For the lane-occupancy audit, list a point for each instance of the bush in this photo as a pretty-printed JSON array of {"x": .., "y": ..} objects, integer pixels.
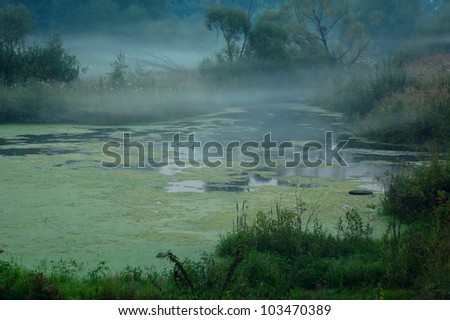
[
  {"x": 260, "y": 276},
  {"x": 49, "y": 62},
  {"x": 356, "y": 95},
  {"x": 33, "y": 102},
  {"x": 419, "y": 256},
  {"x": 415, "y": 194}
]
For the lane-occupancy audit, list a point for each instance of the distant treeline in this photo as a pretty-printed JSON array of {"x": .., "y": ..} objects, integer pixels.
[
  {"x": 383, "y": 24},
  {"x": 82, "y": 15},
  {"x": 399, "y": 17}
]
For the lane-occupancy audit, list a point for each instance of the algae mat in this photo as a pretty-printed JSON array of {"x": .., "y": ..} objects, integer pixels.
[{"x": 58, "y": 203}]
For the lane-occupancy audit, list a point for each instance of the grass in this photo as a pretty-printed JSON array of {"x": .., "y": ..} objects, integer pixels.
[{"x": 140, "y": 99}]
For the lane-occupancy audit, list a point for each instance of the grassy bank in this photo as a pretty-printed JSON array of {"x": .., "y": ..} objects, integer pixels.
[
  {"x": 286, "y": 254},
  {"x": 405, "y": 102},
  {"x": 139, "y": 100}
]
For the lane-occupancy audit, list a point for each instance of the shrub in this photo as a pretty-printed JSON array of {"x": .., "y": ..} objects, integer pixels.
[
  {"x": 415, "y": 194},
  {"x": 419, "y": 256},
  {"x": 358, "y": 95},
  {"x": 260, "y": 276},
  {"x": 49, "y": 62},
  {"x": 119, "y": 66},
  {"x": 353, "y": 228}
]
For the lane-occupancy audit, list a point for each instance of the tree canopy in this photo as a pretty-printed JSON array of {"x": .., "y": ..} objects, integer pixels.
[
  {"x": 15, "y": 23},
  {"x": 20, "y": 62},
  {"x": 233, "y": 23}
]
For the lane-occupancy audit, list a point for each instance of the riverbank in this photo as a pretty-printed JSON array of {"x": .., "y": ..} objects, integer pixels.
[{"x": 402, "y": 102}]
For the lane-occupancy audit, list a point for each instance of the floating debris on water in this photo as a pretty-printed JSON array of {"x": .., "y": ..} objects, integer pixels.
[{"x": 361, "y": 193}]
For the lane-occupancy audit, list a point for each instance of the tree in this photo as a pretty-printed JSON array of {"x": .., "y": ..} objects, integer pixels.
[
  {"x": 234, "y": 23},
  {"x": 391, "y": 22},
  {"x": 117, "y": 76},
  {"x": 269, "y": 41},
  {"x": 48, "y": 62},
  {"x": 20, "y": 62},
  {"x": 334, "y": 25},
  {"x": 15, "y": 23},
  {"x": 397, "y": 19}
]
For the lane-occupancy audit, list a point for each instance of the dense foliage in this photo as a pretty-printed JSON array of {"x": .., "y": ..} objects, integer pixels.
[
  {"x": 21, "y": 63},
  {"x": 400, "y": 101}
]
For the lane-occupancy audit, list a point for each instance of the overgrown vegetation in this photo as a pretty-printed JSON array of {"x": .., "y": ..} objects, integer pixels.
[
  {"x": 22, "y": 63},
  {"x": 399, "y": 102},
  {"x": 418, "y": 202},
  {"x": 287, "y": 254}
]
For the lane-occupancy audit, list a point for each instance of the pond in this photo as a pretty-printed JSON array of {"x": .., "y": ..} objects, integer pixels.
[{"x": 59, "y": 203}]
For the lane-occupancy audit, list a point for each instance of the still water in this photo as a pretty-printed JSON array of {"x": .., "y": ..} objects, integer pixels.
[{"x": 59, "y": 203}]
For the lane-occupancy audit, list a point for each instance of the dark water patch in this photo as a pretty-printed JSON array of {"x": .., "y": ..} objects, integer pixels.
[
  {"x": 93, "y": 134},
  {"x": 263, "y": 169},
  {"x": 239, "y": 185},
  {"x": 218, "y": 187},
  {"x": 286, "y": 183},
  {"x": 362, "y": 144},
  {"x": 238, "y": 174},
  {"x": 240, "y": 182},
  {"x": 69, "y": 162},
  {"x": 74, "y": 162},
  {"x": 261, "y": 179},
  {"x": 393, "y": 158},
  {"x": 360, "y": 193},
  {"x": 248, "y": 183},
  {"x": 308, "y": 185},
  {"x": 11, "y": 152},
  {"x": 62, "y": 138}
]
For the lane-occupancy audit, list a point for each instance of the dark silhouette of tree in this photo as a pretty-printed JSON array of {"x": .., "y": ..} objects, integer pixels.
[
  {"x": 15, "y": 23},
  {"x": 48, "y": 62},
  {"x": 119, "y": 66},
  {"x": 19, "y": 62},
  {"x": 332, "y": 23},
  {"x": 269, "y": 41},
  {"x": 233, "y": 23}
]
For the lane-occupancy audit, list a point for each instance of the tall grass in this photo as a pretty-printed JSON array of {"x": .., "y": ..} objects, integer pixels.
[
  {"x": 139, "y": 100},
  {"x": 398, "y": 102},
  {"x": 415, "y": 116},
  {"x": 356, "y": 93},
  {"x": 419, "y": 254}
]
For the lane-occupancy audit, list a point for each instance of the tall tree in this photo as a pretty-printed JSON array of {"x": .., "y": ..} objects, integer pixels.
[
  {"x": 269, "y": 41},
  {"x": 234, "y": 23},
  {"x": 15, "y": 23},
  {"x": 333, "y": 23}
]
